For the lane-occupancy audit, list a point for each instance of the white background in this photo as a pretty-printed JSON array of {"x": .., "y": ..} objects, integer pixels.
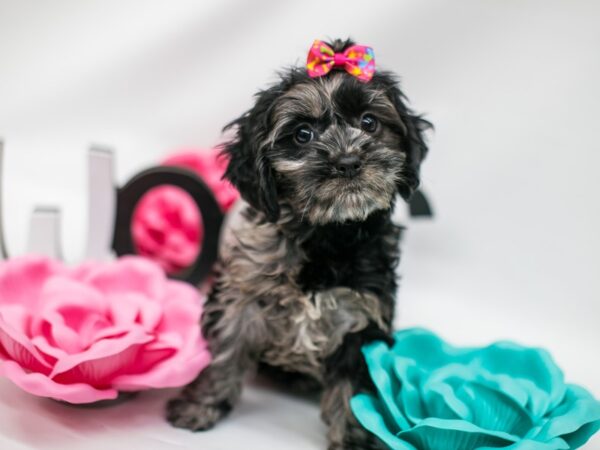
[{"x": 511, "y": 86}]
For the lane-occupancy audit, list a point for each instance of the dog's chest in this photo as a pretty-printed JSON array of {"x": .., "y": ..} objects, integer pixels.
[
  {"x": 306, "y": 329},
  {"x": 304, "y": 311},
  {"x": 312, "y": 312}
]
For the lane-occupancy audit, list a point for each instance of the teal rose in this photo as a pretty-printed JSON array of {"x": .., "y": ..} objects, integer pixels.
[{"x": 431, "y": 395}]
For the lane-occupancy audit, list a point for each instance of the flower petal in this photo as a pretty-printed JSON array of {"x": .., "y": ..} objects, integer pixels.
[
  {"x": 125, "y": 307},
  {"x": 16, "y": 344},
  {"x": 50, "y": 351},
  {"x": 439, "y": 392},
  {"x": 529, "y": 444},
  {"x": 423, "y": 346},
  {"x": 433, "y": 433},
  {"x": 517, "y": 389},
  {"x": 63, "y": 291},
  {"x": 367, "y": 410},
  {"x": 127, "y": 274},
  {"x": 178, "y": 370},
  {"x": 531, "y": 364},
  {"x": 182, "y": 307},
  {"x": 407, "y": 393},
  {"x": 380, "y": 363},
  {"x": 22, "y": 279},
  {"x": 41, "y": 385},
  {"x": 52, "y": 326},
  {"x": 101, "y": 371},
  {"x": 67, "y": 306},
  {"x": 493, "y": 410},
  {"x": 128, "y": 308},
  {"x": 575, "y": 420},
  {"x": 102, "y": 349}
]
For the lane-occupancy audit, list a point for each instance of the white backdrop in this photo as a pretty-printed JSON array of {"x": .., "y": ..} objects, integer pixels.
[{"x": 511, "y": 86}]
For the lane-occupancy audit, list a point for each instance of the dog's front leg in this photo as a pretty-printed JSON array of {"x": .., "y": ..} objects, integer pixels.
[
  {"x": 345, "y": 375},
  {"x": 235, "y": 334}
]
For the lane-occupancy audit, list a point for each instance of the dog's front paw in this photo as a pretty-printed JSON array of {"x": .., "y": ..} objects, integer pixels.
[
  {"x": 356, "y": 438},
  {"x": 369, "y": 445},
  {"x": 184, "y": 413}
]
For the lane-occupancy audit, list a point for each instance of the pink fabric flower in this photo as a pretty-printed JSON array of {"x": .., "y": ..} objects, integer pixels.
[
  {"x": 210, "y": 167},
  {"x": 166, "y": 226},
  {"x": 83, "y": 334}
]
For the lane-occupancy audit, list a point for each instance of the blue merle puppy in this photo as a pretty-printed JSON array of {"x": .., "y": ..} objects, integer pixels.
[{"x": 310, "y": 276}]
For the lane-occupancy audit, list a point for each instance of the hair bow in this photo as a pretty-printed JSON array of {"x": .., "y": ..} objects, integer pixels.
[{"x": 357, "y": 60}]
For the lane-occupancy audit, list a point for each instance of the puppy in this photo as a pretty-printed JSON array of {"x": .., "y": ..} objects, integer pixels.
[{"x": 310, "y": 276}]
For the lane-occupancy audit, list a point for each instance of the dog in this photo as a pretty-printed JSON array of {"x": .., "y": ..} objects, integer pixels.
[{"x": 310, "y": 276}]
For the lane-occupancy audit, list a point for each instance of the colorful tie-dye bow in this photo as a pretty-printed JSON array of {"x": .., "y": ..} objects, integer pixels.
[{"x": 357, "y": 60}]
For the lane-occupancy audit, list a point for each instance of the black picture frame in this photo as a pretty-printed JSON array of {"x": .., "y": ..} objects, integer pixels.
[{"x": 132, "y": 192}]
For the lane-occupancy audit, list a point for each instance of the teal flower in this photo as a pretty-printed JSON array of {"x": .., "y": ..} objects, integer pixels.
[{"x": 431, "y": 395}]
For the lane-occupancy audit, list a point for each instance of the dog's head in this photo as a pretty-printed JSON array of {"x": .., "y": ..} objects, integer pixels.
[{"x": 332, "y": 148}]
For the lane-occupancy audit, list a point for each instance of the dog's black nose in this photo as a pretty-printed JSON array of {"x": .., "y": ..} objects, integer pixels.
[{"x": 348, "y": 166}]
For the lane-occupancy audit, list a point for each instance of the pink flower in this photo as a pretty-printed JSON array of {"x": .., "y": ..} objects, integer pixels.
[
  {"x": 166, "y": 226},
  {"x": 210, "y": 167},
  {"x": 83, "y": 334}
]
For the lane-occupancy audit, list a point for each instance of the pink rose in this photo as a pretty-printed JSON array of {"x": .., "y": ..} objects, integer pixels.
[
  {"x": 166, "y": 225},
  {"x": 83, "y": 334},
  {"x": 167, "y": 228},
  {"x": 210, "y": 167}
]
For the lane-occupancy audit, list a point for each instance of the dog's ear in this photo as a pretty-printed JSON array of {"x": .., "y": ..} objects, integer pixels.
[
  {"x": 413, "y": 128},
  {"x": 416, "y": 150},
  {"x": 249, "y": 169}
]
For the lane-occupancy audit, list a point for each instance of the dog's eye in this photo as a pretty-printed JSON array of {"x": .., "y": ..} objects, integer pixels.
[
  {"x": 304, "y": 134},
  {"x": 368, "y": 122}
]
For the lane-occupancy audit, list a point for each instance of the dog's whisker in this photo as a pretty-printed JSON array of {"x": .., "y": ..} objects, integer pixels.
[{"x": 306, "y": 206}]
